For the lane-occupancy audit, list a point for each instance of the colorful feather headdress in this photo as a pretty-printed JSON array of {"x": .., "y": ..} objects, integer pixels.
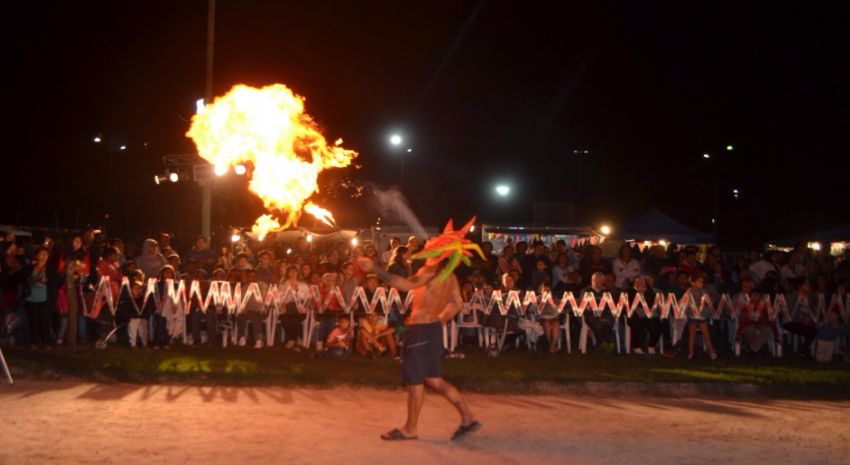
[{"x": 452, "y": 245}]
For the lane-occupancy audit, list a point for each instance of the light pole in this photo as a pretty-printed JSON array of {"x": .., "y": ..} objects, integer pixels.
[
  {"x": 396, "y": 141},
  {"x": 716, "y": 159},
  {"x": 206, "y": 187}
]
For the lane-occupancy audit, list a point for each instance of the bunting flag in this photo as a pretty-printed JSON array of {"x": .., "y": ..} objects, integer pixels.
[{"x": 173, "y": 302}]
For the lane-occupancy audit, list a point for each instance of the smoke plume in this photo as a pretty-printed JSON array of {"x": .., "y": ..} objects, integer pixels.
[{"x": 392, "y": 205}]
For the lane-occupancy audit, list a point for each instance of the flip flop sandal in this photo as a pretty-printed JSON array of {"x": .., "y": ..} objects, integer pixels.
[
  {"x": 396, "y": 435},
  {"x": 464, "y": 430}
]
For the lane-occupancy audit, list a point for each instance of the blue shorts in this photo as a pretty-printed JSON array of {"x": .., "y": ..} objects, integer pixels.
[{"x": 422, "y": 353}]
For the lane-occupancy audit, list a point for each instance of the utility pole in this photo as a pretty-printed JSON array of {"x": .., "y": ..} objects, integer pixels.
[{"x": 206, "y": 187}]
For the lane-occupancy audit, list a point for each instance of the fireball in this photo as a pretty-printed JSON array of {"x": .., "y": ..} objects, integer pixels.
[{"x": 268, "y": 131}]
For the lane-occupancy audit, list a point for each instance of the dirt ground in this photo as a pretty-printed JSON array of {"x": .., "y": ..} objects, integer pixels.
[{"x": 74, "y": 422}]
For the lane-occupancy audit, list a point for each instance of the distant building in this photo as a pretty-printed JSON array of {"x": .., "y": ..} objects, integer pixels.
[{"x": 554, "y": 212}]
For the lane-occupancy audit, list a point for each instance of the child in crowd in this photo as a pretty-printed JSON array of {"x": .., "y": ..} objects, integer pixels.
[
  {"x": 338, "y": 342},
  {"x": 375, "y": 337},
  {"x": 138, "y": 311},
  {"x": 328, "y": 318},
  {"x": 548, "y": 316},
  {"x": 828, "y": 332}
]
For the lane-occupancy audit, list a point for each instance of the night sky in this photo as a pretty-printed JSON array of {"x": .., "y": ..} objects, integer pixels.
[{"x": 483, "y": 92}]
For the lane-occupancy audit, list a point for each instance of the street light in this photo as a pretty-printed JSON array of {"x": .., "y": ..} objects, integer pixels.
[
  {"x": 503, "y": 190},
  {"x": 606, "y": 230},
  {"x": 396, "y": 140},
  {"x": 708, "y": 156}
]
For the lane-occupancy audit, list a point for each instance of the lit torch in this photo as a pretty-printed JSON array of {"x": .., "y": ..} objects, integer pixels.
[{"x": 268, "y": 131}]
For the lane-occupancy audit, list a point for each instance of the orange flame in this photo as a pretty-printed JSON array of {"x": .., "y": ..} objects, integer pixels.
[
  {"x": 320, "y": 213},
  {"x": 267, "y": 130}
]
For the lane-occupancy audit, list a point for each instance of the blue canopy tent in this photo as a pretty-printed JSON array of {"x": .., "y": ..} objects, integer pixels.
[{"x": 654, "y": 225}]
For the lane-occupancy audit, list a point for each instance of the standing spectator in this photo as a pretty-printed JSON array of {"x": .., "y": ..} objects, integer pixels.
[
  {"x": 759, "y": 266},
  {"x": 205, "y": 257},
  {"x": 225, "y": 258},
  {"x": 655, "y": 262},
  {"x": 560, "y": 273},
  {"x": 108, "y": 267},
  {"x": 164, "y": 243},
  {"x": 95, "y": 252},
  {"x": 529, "y": 264},
  {"x": 151, "y": 261},
  {"x": 593, "y": 263},
  {"x": 73, "y": 266},
  {"x": 507, "y": 262},
  {"x": 348, "y": 282},
  {"x": 398, "y": 262},
  {"x": 696, "y": 292},
  {"x": 625, "y": 268},
  {"x": 414, "y": 246},
  {"x": 139, "y": 313},
  {"x": 39, "y": 312},
  {"x": 387, "y": 255},
  {"x": 12, "y": 278},
  {"x": 331, "y": 263}
]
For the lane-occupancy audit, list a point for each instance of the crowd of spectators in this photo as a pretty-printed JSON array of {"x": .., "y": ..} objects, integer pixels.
[{"x": 45, "y": 286}]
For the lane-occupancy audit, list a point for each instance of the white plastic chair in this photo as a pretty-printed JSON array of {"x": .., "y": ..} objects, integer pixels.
[{"x": 458, "y": 324}]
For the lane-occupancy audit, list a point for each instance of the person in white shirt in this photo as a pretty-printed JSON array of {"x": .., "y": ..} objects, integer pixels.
[{"x": 626, "y": 269}]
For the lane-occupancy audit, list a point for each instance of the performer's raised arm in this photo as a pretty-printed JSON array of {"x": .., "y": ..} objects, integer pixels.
[{"x": 393, "y": 280}]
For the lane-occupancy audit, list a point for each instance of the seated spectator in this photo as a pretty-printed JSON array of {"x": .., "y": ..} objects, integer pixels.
[
  {"x": 264, "y": 266},
  {"x": 560, "y": 272},
  {"x": 338, "y": 340},
  {"x": 755, "y": 327},
  {"x": 292, "y": 288},
  {"x": 802, "y": 323},
  {"x": 239, "y": 272},
  {"x": 254, "y": 312},
  {"x": 549, "y": 318},
  {"x": 200, "y": 319},
  {"x": 828, "y": 332},
  {"x": 375, "y": 337},
  {"x": 602, "y": 324},
  {"x": 644, "y": 326},
  {"x": 327, "y": 320}
]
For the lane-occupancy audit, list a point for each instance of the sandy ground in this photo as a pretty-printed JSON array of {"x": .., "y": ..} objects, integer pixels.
[{"x": 74, "y": 422}]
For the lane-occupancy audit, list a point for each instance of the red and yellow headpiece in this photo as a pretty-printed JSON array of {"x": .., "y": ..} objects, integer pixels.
[{"x": 452, "y": 245}]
